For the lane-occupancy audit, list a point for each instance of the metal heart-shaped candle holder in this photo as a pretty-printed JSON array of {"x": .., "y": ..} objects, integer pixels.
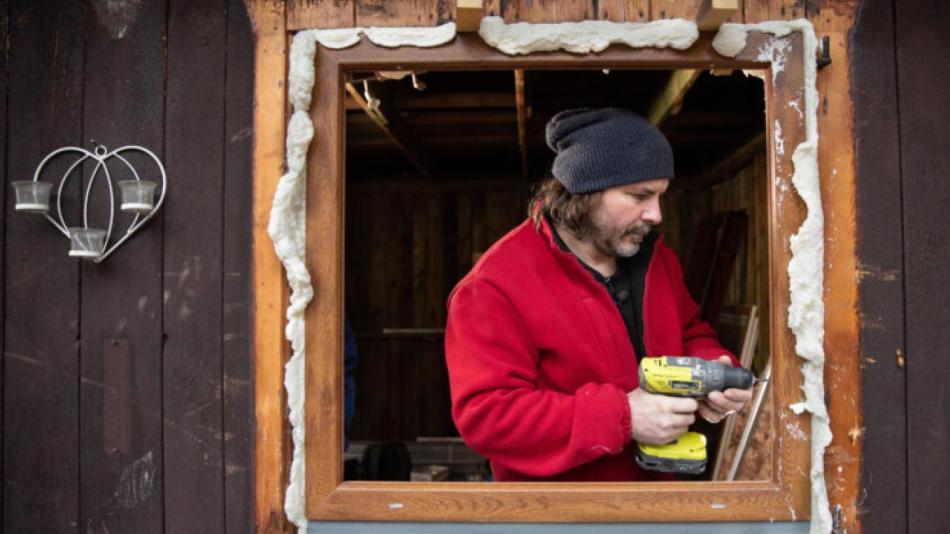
[{"x": 137, "y": 198}]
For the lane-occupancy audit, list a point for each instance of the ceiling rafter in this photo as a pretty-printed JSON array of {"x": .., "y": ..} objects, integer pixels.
[{"x": 392, "y": 126}]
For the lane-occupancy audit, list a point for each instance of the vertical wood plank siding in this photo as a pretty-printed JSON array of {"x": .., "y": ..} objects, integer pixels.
[
  {"x": 880, "y": 249},
  {"x": 127, "y": 395},
  {"x": 4, "y": 139},
  {"x": 41, "y": 424},
  {"x": 238, "y": 390},
  {"x": 194, "y": 147},
  {"x": 923, "y": 68},
  {"x": 121, "y": 299}
]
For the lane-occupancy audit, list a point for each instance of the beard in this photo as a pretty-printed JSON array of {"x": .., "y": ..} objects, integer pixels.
[{"x": 619, "y": 242}]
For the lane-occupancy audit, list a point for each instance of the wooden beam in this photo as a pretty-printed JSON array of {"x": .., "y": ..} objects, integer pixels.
[
  {"x": 522, "y": 121},
  {"x": 468, "y": 15},
  {"x": 370, "y": 107},
  {"x": 712, "y": 13},
  {"x": 670, "y": 99},
  {"x": 270, "y": 290},
  {"x": 393, "y": 127}
]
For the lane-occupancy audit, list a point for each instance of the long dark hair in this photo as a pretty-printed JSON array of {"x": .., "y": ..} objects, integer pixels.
[{"x": 563, "y": 207}]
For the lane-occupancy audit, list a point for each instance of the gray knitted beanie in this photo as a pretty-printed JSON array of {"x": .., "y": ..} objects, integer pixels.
[{"x": 601, "y": 148}]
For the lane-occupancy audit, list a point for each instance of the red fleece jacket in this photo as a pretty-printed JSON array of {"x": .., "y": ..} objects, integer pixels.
[{"x": 540, "y": 361}]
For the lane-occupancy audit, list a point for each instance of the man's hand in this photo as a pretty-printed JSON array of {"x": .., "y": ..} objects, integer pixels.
[
  {"x": 658, "y": 419},
  {"x": 718, "y": 404}
]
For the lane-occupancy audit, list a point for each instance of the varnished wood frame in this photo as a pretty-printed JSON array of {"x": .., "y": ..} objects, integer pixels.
[{"x": 785, "y": 497}]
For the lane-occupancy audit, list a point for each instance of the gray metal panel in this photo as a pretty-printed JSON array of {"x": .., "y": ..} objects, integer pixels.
[{"x": 334, "y": 527}]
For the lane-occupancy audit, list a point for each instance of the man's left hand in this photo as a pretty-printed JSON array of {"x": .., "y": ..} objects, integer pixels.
[{"x": 719, "y": 404}]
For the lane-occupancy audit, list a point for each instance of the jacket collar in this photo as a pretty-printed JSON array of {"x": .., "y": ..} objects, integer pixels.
[{"x": 570, "y": 263}]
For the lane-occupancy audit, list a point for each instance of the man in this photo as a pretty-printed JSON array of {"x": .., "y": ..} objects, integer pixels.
[{"x": 545, "y": 333}]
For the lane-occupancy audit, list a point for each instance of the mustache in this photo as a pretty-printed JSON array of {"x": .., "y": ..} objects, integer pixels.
[{"x": 639, "y": 229}]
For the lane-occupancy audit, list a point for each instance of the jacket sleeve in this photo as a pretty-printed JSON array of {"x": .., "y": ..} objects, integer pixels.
[
  {"x": 496, "y": 404},
  {"x": 699, "y": 338}
]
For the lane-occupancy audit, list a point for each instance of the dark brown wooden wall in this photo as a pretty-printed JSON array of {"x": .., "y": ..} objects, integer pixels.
[
  {"x": 127, "y": 399},
  {"x": 900, "y": 69}
]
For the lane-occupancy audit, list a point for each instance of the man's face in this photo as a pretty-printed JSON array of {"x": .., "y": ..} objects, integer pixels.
[{"x": 625, "y": 215}]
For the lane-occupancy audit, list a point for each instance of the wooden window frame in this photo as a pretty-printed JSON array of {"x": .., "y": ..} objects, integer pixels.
[{"x": 328, "y": 497}]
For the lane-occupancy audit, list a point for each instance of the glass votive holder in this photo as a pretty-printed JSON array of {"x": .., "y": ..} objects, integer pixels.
[
  {"x": 32, "y": 196},
  {"x": 137, "y": 195},
  {"x": 86, "y": 242}
]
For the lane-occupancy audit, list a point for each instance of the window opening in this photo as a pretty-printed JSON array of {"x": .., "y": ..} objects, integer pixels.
[{"x": 440, "y": 164}]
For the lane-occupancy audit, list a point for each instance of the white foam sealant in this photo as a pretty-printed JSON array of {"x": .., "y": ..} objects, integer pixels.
[
  {"x": 586, "y": 36},
  {"x": 287, "y": 224},
  {"x": 806, "y": 312}
]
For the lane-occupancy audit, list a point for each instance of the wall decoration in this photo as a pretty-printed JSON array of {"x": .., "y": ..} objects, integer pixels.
[{"x": 135, "y": 196}]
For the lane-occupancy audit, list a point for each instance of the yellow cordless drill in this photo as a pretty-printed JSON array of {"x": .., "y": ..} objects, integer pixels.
[{"x": 685, "y": 376}]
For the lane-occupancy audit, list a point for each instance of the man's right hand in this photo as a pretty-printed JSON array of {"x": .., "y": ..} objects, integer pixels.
[{"x": 658, "y": 419}]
